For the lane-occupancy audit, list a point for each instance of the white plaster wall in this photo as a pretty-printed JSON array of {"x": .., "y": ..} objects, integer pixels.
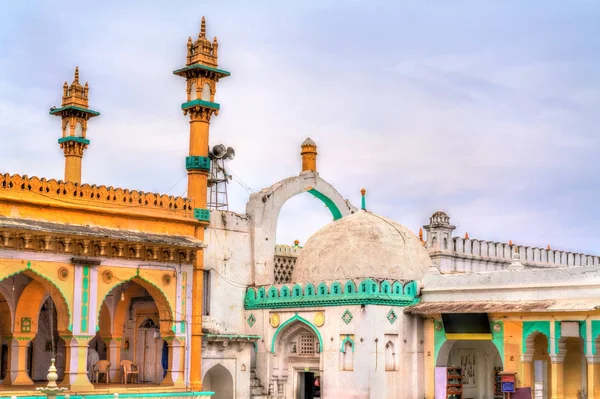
[
  {"x": 236, "y": 361},
  {"x": 228, "y": 257},
  {"x": 369, "y": 379},
  {"x": 529, "y": 284}
]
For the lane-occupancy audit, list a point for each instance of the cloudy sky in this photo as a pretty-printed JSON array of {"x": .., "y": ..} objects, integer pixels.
[{"x": 485, "y": 109}]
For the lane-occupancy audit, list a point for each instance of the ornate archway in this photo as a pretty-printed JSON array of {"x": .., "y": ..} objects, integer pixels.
[{"x": 264, "y": 207}]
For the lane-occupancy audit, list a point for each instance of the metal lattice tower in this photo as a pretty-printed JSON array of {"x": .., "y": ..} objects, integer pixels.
[{"x": 219, "y": 178}]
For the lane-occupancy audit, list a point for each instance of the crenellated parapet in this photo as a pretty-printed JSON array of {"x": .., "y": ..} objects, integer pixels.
[
  {"x": 529, "y": 256},
  {"x": 100, "y": 195},
  {"x": 465, "y": 254},
  {"x": 351, "y": 292}
]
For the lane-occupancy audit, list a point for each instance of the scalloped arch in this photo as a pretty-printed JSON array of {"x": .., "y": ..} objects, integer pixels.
[
  {"x": 48, "y": 284},
  {"x": 290, "y": 321}
]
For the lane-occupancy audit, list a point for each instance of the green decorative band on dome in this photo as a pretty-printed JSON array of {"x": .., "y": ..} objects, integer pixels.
[
  {"x": 197, "y": 163},
  {"x": 202, "y": 215},
  {"x": 58, "y": 111},
  {"x": 73, "y": 138},
  {"x": 368, "y": 292},
  {"x": 200, "y": 103}
]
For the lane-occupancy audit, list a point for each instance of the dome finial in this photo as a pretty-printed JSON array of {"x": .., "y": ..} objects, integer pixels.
[
  {"x": 76, "y": 75},
  {"x": 203, "y": 27},
  {"x": 296, "y": 243},
  {"x": 421, "y": 235},
  {"x": 363, "y": 205},
  {"x": 549, "y": 247},
  {"x": 466, "y": 236}
]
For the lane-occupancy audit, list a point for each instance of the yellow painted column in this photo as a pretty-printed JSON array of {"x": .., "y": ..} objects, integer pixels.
[
  {"x": 429, "y": 363},
  {"x": 17, "y": 361},
  {"x": 197, "y": 191},
  {"x": 76, "y": 372},
  {"x": 73, "y": 168},
  {"x": 175, "y": 373},
  {"x": 197, "y": 179},
  {"x": 557, "y": 379},
  {"x": 593, "y": 378}
]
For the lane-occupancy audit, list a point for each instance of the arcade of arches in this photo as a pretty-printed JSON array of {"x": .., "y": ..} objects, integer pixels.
[{"x": 134, "y": 323}]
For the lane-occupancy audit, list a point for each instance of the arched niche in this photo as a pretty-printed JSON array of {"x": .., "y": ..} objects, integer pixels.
[
  {"x": 264, "y": 207},
  {"x": 218, "y": 380}
]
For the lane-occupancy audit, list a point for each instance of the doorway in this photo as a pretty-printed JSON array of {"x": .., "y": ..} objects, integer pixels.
[
  {"x": 146, "y": 351},
  {"x": 309, "y": 385}
]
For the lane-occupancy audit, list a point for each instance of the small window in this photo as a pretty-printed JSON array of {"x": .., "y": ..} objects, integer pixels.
[
  {"x": 78, "y": 130},
  {"x": 206, "y": 92},
  {"x": 206, "y": 294},
  {"x": 193, "y": 93}
]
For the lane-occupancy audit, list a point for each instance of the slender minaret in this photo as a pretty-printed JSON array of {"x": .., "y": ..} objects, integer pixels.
[
  {"x": 74, "y": 113},
  {"x": 201, "y": 75}
]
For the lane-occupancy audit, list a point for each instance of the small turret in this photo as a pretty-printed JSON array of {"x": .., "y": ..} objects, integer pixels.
[
  {"x": 439, "y": 232},
  {"x": 309, "y": 155}
]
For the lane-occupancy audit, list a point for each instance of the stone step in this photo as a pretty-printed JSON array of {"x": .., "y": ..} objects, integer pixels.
[{"x": 257, "y": 391}]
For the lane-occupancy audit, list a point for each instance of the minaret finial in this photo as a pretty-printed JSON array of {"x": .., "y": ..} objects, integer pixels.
[
  {"x": 203, "y": 28},
  {"x": 76, "y": 75},
  {"x": 363, "y": 203}
]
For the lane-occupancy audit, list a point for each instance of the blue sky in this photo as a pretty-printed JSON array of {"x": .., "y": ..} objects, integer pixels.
[{"x": 485, "y": 109}]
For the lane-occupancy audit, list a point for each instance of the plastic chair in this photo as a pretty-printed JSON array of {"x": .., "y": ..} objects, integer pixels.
[
  {"x": 102, "y": 367},
  {"x": 129, "y": 369}
]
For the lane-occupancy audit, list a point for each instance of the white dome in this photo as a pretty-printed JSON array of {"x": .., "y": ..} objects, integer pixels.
[{"x": 362, "y": 245}]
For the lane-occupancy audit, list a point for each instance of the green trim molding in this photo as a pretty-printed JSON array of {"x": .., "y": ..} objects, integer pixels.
[
  {"x": 182, "y": 71},
  {"x": 439, "y": 337},
  {"x": 347, "y": 339},
  {"x": 530, "y": 327},
  {"x": 200, "y": 103},
  {"x": 202, "y": 215},
  {"x": 335, "y": 211},
  {"x": 290, "y": 321},
  {"x": 498, "y": 338},
  {"x": 91, "y": 112},
  {"x": 85, "y": 298},
  {"x": 73, "y": 138},
  {"x": 197, "y": 163},
  {"x": 583, "y": 335},
  {"x": 595, "y": 334},
  {"x": 556, "y": 337},
  {"x": 369, "y": 292}
]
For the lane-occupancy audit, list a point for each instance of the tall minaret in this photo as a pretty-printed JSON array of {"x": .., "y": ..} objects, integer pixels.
[
  {"x": 74, "y": 113},
  {"x": 201, "y": 75}
]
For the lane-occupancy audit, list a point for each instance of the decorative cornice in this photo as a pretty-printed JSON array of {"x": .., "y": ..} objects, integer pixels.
[
  {"x": 90, "y": 113},
  {"x": 210, "y": 71},
  {"x": 369, "y": 292},
  {"x": 102, "y": 195}
]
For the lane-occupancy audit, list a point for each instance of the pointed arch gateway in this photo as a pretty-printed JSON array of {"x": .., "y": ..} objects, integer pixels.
[
  {"x": 292, "y": 320},
  {"x": 264, "y": 207}
]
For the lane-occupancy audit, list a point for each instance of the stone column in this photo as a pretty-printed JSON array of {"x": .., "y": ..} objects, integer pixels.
[
  {"x": 113, "y": 355},
  {"x": 557, "y": 377},
  {"x": 175, "y": 372},
  {"x": 76, "y": 372},
  {"x": 17, "y": 361},
  {"x": 593, "y": 377},
  {"x": 527, "y": 369}
]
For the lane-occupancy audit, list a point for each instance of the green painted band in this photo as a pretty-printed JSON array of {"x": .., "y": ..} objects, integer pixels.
[
  {"x": 335, "y": 211},
  {"x": 91, "y": 112},
  {"x": 182, "y": 71},
  {"x": 320, "y": 301},
  {"x": 73, "y": 138},
  {"x": 200, "y": 103},
  {"x": 197, "y": 163},
  {"x": 232, "y": 336},
  {"x": 202, "y": 215}
]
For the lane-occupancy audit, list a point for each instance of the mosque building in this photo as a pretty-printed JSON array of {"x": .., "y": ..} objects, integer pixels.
[{"x": 149, "y": 295}]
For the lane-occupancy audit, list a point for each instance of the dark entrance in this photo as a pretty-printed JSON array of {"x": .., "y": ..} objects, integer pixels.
[{"x": 309, "y": 386}]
